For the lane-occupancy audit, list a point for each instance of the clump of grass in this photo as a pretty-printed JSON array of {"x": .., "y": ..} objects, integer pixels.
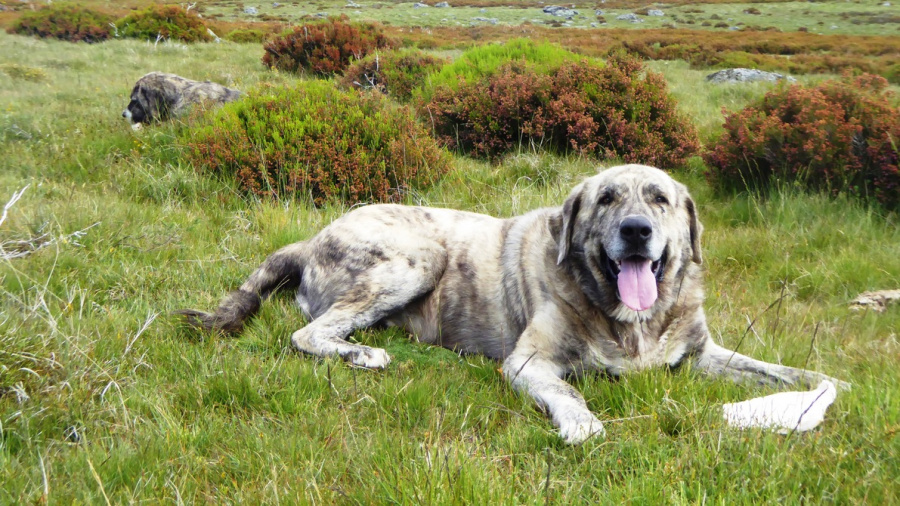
[{"x": 23, "y": 72}]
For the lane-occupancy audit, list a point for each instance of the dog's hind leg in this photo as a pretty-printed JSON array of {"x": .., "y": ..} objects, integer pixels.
[
  {"x": 326, "y": 336},
  {"x": 720, "y": 361},
  {"x": 281, "y": 270},
  {"x": 384, "y": 290}
]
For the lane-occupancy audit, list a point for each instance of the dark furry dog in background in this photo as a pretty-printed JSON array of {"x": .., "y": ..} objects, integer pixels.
[{"x": 158, "y": 96}]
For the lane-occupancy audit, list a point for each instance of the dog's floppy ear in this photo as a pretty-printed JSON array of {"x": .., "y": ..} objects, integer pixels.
[
  {"x": 569, "y": 217},
  {"x": 695, "y": 227},
  {"x": 152, "y": 103}
]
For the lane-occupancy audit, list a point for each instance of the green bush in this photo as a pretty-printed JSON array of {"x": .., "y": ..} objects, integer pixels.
[
  {"x": 324, "y": 48},
  {"x": 64, "y": 22},
  {"x": 396, "y": 73},
  {"x": 169, "y": 21},
  {"x": 484, "y": 61},
  {"x": 314, "y": 140},
  {"x": 617, "y": 110},
  {"x": 840, "y": 136},
  {"x": 247, "y": 35}
]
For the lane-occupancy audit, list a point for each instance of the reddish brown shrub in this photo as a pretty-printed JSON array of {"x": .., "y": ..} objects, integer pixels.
[
  {"x": 395, "y": 73},
  {"x": 840, "y": 136},
  {"x": 65, "y": 22},
  {"x": 326, "y": 47},
  {"x": 609, "y": 111},
  {"x": 313, "y": 140}
]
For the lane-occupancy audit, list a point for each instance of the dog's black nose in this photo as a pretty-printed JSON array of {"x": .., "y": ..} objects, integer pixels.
[
  {"x": 124, "y": 114},
  {"x": 636, "y": 229}
]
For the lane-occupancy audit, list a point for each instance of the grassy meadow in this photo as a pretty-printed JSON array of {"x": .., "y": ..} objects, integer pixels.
[
  {"x": 828, "y": 17},
  {"x": 105, "y": 398}
]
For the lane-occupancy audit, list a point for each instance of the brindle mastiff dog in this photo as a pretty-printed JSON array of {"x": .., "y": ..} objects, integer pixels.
[
  {"x": 610, "y": 281},
  {"x": 157, "y": 96}
]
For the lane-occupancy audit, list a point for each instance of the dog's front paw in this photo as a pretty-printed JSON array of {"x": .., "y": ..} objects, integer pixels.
[
  {"x": 371, "y": 358},
  {"x": 578, "y": 429}
]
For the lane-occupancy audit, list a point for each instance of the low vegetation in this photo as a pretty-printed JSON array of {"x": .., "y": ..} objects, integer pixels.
[
  {"x": 245, "y": 35},
  {"x": 64, "y": 21},
  {"x": 794, "y": 52},
  {"x": 613, "y": 110},
  {"x": 324, "y": 48},
  {"x": 312, "y": 140},
  {"x": 165, "y": 21},
  {"x": 396, "y": 73},
  {"x": 839, "y": 136}
]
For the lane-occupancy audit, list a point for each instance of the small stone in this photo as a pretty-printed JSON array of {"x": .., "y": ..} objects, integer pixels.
[
  {"x": 562, "y": 12},
  {"x": 630, "y": 17},
  {"x": 655, "y": 12},
  {"x": 742, "y": 75}
]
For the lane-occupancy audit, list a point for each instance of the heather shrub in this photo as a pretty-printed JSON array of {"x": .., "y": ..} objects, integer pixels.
[
  {"x": 839, "y": 136},
  {"x": 169, "y": 21},
  {"x": 616, "y": 110},
  {"x": 325, "y": 48},
  {"x": 314, "y": 140},
  {"x": 396, "y": 73},
  {"x": 64, "y": 22}
]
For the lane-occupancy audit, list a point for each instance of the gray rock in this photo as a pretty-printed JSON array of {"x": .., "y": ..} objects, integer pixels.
[
  {"x": 655, "y": 12},
  {"x": 740, "y": 75},
  {"x": 562, "y": 12},
  {"x": 441, "y": 5},
  {"x": 420, "y": 5},
  {"x": 734, "y": 28},
  {"x": 630, "y": 17},
  {"x": 598, "y": 12},
  {"x": 251, "y": 11},
  {"x": 352, "y": 5},
  {"x": 492, "y": 21}
]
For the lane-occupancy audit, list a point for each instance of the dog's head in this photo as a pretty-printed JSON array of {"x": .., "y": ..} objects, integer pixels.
[
  {"x": 147, "y": 100},
  {"x": 631, "y": 232}
]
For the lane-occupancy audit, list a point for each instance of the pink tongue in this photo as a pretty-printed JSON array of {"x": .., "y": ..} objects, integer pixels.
[{"x": 637, "y": 284}]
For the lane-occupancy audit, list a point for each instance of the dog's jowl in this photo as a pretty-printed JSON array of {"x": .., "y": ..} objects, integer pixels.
[{"x": 611, "y": 281}]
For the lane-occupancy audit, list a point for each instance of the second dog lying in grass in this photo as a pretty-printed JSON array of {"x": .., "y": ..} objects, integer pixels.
[{"x": 158, "y": 96}]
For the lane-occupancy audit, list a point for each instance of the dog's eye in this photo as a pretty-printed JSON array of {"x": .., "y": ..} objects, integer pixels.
[
  {"x": 661, "y": 200},
  {"x": 605, "y": 200}
]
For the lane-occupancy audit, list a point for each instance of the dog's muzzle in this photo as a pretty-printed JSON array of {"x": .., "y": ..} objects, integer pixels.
[{"x": 635, "y": 272}]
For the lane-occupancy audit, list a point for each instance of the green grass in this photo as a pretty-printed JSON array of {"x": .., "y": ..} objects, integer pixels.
[{"x": 103, "y": 394}]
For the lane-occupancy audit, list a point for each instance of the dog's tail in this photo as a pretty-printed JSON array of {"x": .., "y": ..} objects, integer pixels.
[{"x": 282, "y": 270}]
